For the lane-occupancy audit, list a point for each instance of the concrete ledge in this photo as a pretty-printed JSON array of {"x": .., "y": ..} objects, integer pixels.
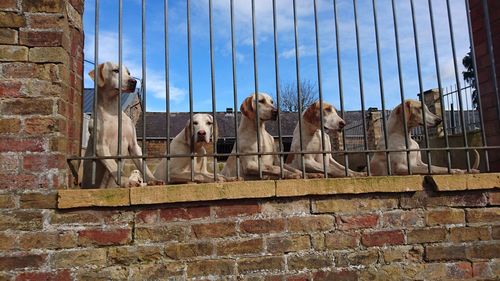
[
  {"x": 464, "y": 182},
  {"x": 74, "y": 198},
  {"x": 286, "y": 188}
]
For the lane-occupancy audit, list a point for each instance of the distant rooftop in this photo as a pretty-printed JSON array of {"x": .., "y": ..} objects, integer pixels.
[{"x": 88, "y": 99}]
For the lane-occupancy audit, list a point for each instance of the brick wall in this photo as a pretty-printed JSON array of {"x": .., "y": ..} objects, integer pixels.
[
  {"x": 488, "y": 97},
  {"x": 410, "y": 236},
  {"x": 41, "y": 60}
]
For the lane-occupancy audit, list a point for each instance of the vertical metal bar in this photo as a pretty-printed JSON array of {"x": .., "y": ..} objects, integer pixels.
[
  {"x": 420, "y": 85},
  {"x": 299, "y": 94},
  {"x": 235, "y": 91},
  {"x": 489, "y": 42},
  {"x": 341, "y": 90},
  {"x": 96, "y": 89},
  {"x": 440, "y": 86},
  {"x": 465, "y": 93},
  {"x": 119, "y": 105},
  {"x": 143, "y": 85},
  {"x": 212, "y": 77},
  {"x": 361, "y": 90},
  {"x": 278, "y": 99},
  {"x": 256, "y": 85},
  {"x": 320, "y": 91},
  {"x": 167, "y": 97},
  {"x": 455, "y": 64},
  {"x": 480, "y": 108},
  {"x": 381, "y": 85},
  {"x": 190, "y": 78},
  {"x": 401, "y": 86}
]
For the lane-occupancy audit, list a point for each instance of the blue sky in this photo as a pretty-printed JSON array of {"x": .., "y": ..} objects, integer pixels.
[{"x": 201, "y": 86}]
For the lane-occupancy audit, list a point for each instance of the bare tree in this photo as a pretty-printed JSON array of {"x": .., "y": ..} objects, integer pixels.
[{"x": 289, "y": 98}]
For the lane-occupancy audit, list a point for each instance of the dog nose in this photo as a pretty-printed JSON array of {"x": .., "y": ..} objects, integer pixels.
[
  {"x": 132, "y": 83},
  {"x": 341, "y": 124},
  {"x": 439, "y": 120},
  {"x": 202, "y": 133}
]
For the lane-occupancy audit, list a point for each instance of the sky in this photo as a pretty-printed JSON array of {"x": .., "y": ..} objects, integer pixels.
[{"x": 201, "y": 88}]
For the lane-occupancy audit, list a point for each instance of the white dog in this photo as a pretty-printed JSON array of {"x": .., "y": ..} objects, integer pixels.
[
  {"x": 396, "y": 140},
  {"x": 106, "y": 128},
  {"x": 311, "y": 141},
  {"x": 247, "y": 140},
  {"x": 203, "y": 135}
]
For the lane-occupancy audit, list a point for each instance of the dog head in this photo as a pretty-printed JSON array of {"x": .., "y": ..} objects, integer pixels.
[
  {"x": 204, "y": 129},
  {"x": 414, "y": 116},
  {"x": 331, "y": 120},
  {"x": 109, "y": 76},
  {"x": 266, "y": 108}
]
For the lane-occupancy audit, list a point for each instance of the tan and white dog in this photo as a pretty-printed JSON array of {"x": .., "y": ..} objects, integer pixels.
[
  {"x": 203, "y": 135},
  {"x": 311, "y": 141},
  {"x": 106, "y": 129},
  {"x": 396, "y": 140},
  {"x": 247, "y": 140}
]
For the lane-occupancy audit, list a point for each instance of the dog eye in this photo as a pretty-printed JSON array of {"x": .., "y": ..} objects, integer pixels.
[
  {"x": 209, "y": 123},
  {"x": 261, "y": 101},
  {"x": 272, "y": 102},
  {"x": 116, "y": 70},
  {"x": 195, "y": 123}
]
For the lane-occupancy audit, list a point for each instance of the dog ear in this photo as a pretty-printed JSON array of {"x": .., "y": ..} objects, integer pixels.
[
  {"x": 407, "y": 106},
  {"x": 247, "y": 107},
  {"x": 187, "y": 132},
  {"x": 100, "y": 81},
  {"x": 311, "y": 114}
]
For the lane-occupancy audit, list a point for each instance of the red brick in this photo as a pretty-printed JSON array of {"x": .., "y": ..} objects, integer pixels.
[
  {"x": 8, "y": 4},
  {"x": 10, "y": 89},
  {"x": 9, "y": 144},
  {"x": 448, "y": 252},
  {"x": 262, "y": 226},
  {"x": 184, "y": 213},
  {"x": 357, "y": 221},
  {"x": 236, "y": 210},
  {"x": 45, "y": 21},
  {"x": 104, "y": 237},
  {"x": 398, "y": 218},
  {"x": 10, "y": 126},
  {"x": 41, "y": 38},
  {"x": 147, "y": 216},
  {"x": 341, "y": 240},
  {"x": 339, "y": 274},
  {"x": 9, "y": 164},
  {"x": 481, "y": 269},
  {"x": 19, "y": 70},
  {"x": 23, "y": 181},
  {"x": 17, "y": 262},
  {"x": 459, "y": 270},
  {"x": 49, "y": 6},
  {"x": 380, "y": 238},
  {"x": 214, "y": 230},
  {"x": 40, "y": 162},
  {"x": 63, "y": 275}
]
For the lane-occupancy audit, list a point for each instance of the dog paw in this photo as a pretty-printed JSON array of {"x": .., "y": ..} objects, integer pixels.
[
  {"x": 457, "y": 171},
  {"x": 357, "y": 174},
  {"x": 156, "y": 182},
  {"x": 315, "y": 175},
  {"x": 133, "y": 183},
  {"x": 474, "y": 171}
]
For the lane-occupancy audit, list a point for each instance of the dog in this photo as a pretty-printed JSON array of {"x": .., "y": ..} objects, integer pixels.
[
  {"x": 203, "y": 135},
  {"x": 106, "y": 129},
  {"x": 396, "y": 140},
  {"x": 247, "y": 141},
  {"x": 311, "y": 141}
]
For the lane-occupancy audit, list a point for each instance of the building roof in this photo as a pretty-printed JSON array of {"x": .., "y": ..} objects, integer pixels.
[{"x": 88, "y": 99}]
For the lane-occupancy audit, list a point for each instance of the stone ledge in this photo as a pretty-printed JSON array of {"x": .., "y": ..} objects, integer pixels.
[
  {"x": 464, "y": 182},
  {"x": 117, "y": 197}
]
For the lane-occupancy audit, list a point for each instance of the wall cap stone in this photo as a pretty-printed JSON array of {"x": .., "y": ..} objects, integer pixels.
[{"x": 464, "y": 182}]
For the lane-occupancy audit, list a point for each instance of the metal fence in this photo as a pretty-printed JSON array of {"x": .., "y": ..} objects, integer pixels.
[{"x": 457, "y": 100}]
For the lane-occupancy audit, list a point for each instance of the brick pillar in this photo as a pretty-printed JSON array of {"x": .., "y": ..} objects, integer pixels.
[
  {"x": 488, "y": 97},
  {"x": 373, "y": 127},
  {"x": 41, "y": 64},
  {"x": 432, "y": 101}
]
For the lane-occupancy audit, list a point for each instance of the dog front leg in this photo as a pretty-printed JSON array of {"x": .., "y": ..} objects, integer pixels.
[
  {"x": 149, "y": 178},
  {"x": 111, "y": 166},
  {"x": 338, "y": 170}
]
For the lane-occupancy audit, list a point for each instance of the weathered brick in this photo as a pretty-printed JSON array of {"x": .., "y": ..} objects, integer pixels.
[
  {"x": 462, "y": 199},
  {"x": 10, "y": 126},
  {"x": 27, "y": 107},
  {"x": 461, "y": 234},
  {"x": 47, "y": 240},
  {"x": 41, "y": 38},
  {"x": 286, "y": 207},
  {"x": 147, "y": 217},
  {"x": 426, "y": 235},
  {"x": 79, "y": 257},
  {"x": 7, "y": 241},
  {"x": 353, "y": 205},
  {"x": 59, "y": 275},
  {"x": 214, "y": 230},
  {"x": 289, "y": 243},
  {"x": 48, "y": 54},
  {"x": 75, "y": 217},
  {"x": 159, "y": 234},
  {"x": 22, "y": 181},
  {"x": 9, "y": 144},
  {"x": 38, "y": 200},
  {"x": 8, "y": 4},
  {"x": 48, "y": 6},
  {"x": 309, "y": 261},
  {"x": 43, "y": 125},
  {"x": 11, "y": 19},
  {"x": 13, "y": 53},
  {"x": 481, "y": 269},
  {"x": 240, "y": 247},
  {"x": 318, "y": 241},
  {"x": 10, "y": 89},
  {"x": 484, "y": 250},
  {"x": 337, "y": 274},
  {"x": 262, "y": 226},
  {"x": 6, "y": 201},
  {"x": 403, "y": 253},
  {"x": 45, "y": 21},
  {"x": 399, "y": 218},
  {"x": 445, "y": 252},
  {"x": 134, "y": 254},
  {"x": 266, "y": 263},
  {"x": 380, "y": 238},
  {"x": 459, "y": 270},
  {"x": 347, "y": 222},
  {"x": 21, "y": 220},
  {"x": 358, "y": 258},
  {"x": 341, "y": 240},
  {"x": 235, "y": 210},
  {"x": 310, "y": 223},
  {"x": 175, "y": 214},
  {"x": 445, "y": 216},
  {"x": 104, "y": 237},
  {"x": 392, "y": 272},
  {"x": 490, "y": 215},
  {"x": 157, "y": 271},
  {"x": 20, "y": 261},
  {"x": 220, "y": 267},
  {"x": 114, "y": 273},
  {"x": 8, "y": 36},
  {"x": 188, "y": 250},
  {"x": 494, "y": 198}
]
